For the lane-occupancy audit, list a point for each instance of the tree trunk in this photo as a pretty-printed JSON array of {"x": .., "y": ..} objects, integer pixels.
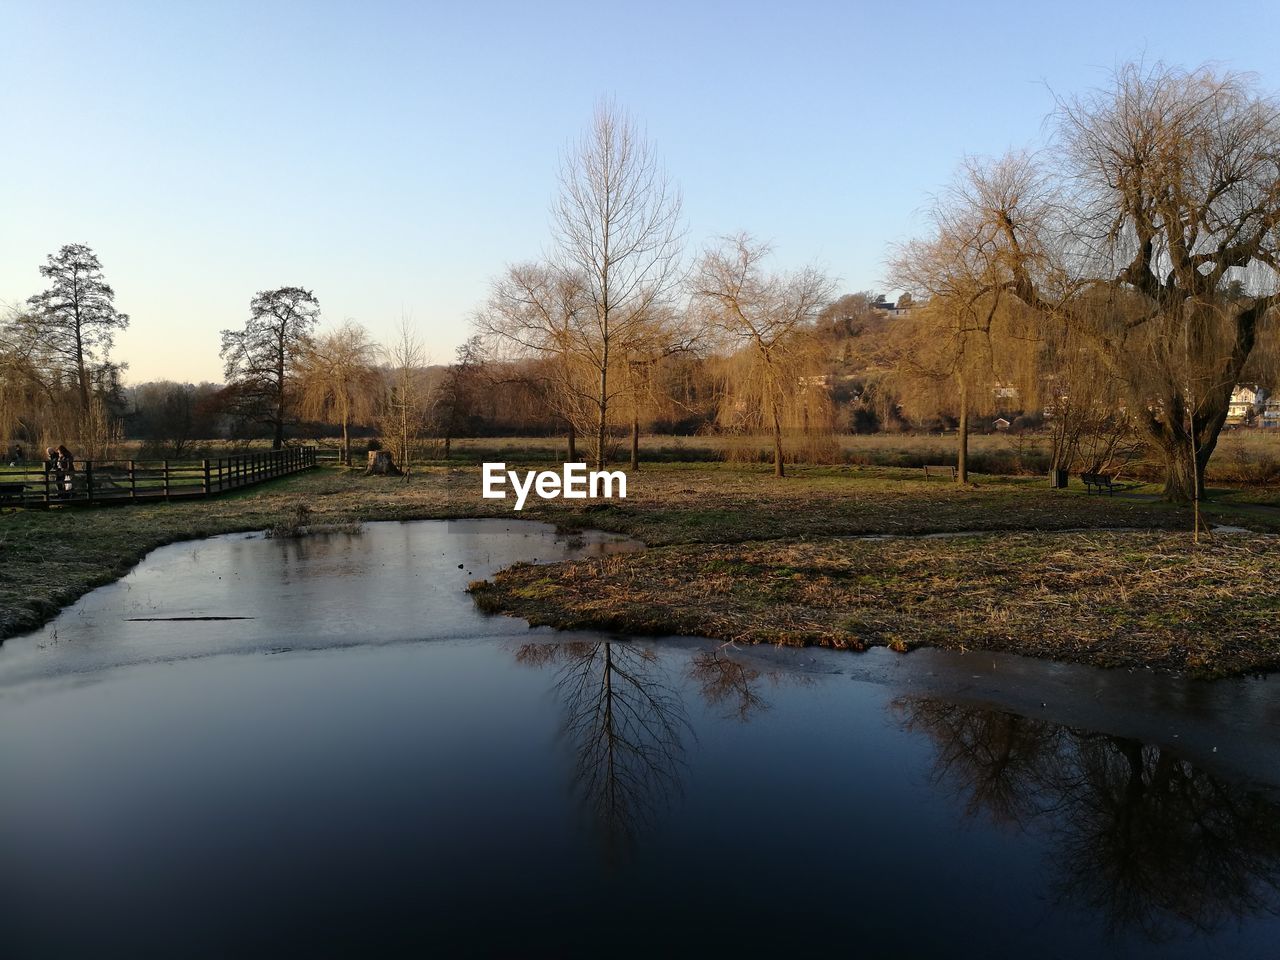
[
  {"x": 1184, "y": 477},
  {"x": 602, "y": 429},
  {"x": 573, "y": 443},
  {"x": 84, "y": 388},
  {"x": 380, "y": 463},
  {"x": 635, "y": 443},
  {"x": 962, "y": 438},
  {"x": 81, "y": 370},
  {"x": 277, "y": 442},
  {"x": 779, "y": 470}
]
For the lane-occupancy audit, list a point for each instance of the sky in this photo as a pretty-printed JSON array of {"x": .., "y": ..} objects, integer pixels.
[{"x": 395, "y": 157}]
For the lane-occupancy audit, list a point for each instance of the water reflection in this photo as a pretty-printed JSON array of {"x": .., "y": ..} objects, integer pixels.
[
  {"x": 726, "y": 683},
  {"x": 1142, "y": 837},
  {"x": 626, "y": 725}
]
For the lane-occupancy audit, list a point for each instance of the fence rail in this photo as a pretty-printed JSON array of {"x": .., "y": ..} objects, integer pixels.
[{"x": 121, "y": 481}]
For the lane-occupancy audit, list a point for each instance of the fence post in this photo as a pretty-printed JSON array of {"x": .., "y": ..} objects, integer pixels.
[
  {"x": 88, "y": 479},
  {"x": 133, "y": 480},
  {"x": 166, "y": 479},
  {"x": 205, "y": 465}
]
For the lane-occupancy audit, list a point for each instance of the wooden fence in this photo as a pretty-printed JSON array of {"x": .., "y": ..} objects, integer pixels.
[{"x": 123, "y": 481}]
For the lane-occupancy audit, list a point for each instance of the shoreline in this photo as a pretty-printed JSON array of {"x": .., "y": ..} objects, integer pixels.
[{"x": 711, "y": 526}]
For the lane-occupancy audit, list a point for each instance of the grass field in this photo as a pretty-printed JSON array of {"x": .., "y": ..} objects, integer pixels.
[
  {"x": 1248, "y": 457},
  {"x": 718, "y": 520}
]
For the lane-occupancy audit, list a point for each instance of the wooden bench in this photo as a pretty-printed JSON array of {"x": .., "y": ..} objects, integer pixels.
[
  {"x": 1100, "y": 480},
  {"x": 940, "y": 470}
]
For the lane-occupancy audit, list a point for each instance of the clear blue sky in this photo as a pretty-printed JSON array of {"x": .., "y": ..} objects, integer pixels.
[{"x": 394, "y": 156}]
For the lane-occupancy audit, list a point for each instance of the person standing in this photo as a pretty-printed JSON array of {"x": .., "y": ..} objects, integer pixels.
[
  {"x": 51, "y": 467},
  {"x": 66, "y": 471}
]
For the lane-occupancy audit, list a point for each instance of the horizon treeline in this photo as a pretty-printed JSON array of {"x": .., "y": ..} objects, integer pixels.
[{"x": 1114, "y": 288}]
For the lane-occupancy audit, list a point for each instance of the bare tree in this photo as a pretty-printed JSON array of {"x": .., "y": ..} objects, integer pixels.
[
  {"x": 767, "y": 314},
  {"x": 338, "y": 379},
  {"x": 618, "y": 234},
  {"x": 262, "y": 359},
  {"x": 456, "y": 393},
  {"x": 405, "y": 404},
  {"x": 76, "y": 317},
  {"x": 537, "y": 312}
]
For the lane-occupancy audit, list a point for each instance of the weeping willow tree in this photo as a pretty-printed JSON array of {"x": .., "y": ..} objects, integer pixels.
[
  {"x": 789, "y": 400},
  {"x": 972, "y": 342},
  {"x": 40, "y": 395},
  {"x": 766, "y": 321},
  {"x": 1090, "y": 428},
  {"x": 663, "y": 334},
  {"x": 338, "y": 382},
  {"x": 25, "y": 402},
  {"x": 1152, "y": 227},
  {"x": 1176, "y": 178}
]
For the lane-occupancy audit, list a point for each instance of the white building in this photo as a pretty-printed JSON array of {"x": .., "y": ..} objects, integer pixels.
[{"x": 1245, "y": 403}]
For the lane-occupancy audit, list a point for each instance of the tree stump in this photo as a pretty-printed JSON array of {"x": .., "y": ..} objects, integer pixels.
[{"x": 380, "y": 463}]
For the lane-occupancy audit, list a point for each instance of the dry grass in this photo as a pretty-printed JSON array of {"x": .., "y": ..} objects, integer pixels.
[{"x": 1140, "y": 599}]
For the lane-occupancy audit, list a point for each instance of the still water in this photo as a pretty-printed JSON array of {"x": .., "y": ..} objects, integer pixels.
[{"x": 362, "y": 764}]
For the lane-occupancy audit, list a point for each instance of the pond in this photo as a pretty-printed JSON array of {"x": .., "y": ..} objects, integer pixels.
[{"x": 256, "y": 746}]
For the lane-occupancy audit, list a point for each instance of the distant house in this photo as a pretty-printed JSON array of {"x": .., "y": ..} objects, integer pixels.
[
  {"x": 1271, "y": 413},
  {"x": 1244, "y": 404},
  {"x": 1001, "y": 423},
  {"x": 899, "y": 309}
]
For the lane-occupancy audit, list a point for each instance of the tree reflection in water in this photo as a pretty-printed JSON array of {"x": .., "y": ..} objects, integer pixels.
[
  {"x": 1138, "y": 835},
  {"x": 626, "y": 725},
  {"x": 727, "y": 683}
]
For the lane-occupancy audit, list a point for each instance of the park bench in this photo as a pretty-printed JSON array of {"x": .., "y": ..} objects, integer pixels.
[
  {"x": 939, "y": 470},
  {"x": 1100, "y": 480}
]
